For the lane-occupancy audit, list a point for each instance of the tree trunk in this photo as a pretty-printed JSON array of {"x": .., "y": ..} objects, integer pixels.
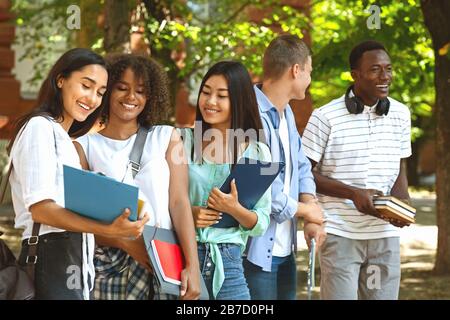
[
  {"x": 161, "y": 10},
  {"x": 117, "y": 26},
  {"x": 89, "y": 32},
  {"x": 413, "y": 164},
  {"x": 435, "y": 13}
]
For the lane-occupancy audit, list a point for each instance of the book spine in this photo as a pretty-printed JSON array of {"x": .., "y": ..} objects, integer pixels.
[{"x": 398, "y": 208}]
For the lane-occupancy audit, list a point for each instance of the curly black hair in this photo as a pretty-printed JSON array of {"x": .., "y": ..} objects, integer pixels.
[{"x": 156, "y": 86}]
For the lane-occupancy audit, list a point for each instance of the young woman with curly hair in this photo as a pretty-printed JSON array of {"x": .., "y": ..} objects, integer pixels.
[{"x": 138, "y": 97}]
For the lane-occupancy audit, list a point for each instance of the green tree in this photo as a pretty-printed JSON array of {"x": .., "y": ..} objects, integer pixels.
[
  {"x": 338, "y": 25},
  {"x": 185, "y": 36},
  {"x": 437, "y": 22},
  {"x": 188, "y": 35}
]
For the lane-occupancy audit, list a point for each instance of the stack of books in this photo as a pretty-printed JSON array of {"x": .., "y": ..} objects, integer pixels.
[
  {"x": 169, "y": 259},
  {"x": 390, "y": 207}
]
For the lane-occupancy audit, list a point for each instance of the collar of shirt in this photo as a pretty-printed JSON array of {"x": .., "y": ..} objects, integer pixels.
[
  {"x": 366, "y": 107},
  {"x": 265, "y": 105}
]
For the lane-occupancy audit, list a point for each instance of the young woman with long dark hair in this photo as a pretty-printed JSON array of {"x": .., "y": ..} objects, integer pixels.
[
  {"x": 67, "y": 106},
  {"x": 228, "y": 127}
]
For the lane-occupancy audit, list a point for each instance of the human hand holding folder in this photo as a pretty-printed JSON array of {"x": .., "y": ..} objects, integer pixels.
[
  {"x": 97, "y": 197},
  {"x": 224, "y": 202},
  {"x": 316, "y": 232},
  {"x": 205, "y": 217},
  {"x": 122, "y": 227},
  {"x": 252, "y": 179},
  {"x": 190, "y": 283}
]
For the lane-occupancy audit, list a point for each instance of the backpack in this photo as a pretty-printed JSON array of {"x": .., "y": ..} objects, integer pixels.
[{"x": 15, "y": 284}]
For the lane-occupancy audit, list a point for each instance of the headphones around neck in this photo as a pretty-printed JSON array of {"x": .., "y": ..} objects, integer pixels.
[{"x": 355, "y": 105}]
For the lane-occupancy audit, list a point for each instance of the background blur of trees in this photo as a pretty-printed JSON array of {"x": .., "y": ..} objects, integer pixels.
[{"x": 187, "y": 36}]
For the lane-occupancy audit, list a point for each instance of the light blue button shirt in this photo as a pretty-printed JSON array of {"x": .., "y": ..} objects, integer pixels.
[{"x": 259, "y": 249}]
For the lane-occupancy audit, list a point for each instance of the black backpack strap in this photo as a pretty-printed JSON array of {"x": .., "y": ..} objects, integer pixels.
[
  {"x": 32, "y": 250},
  {"x": 31, "y": 258},
  {"x": 34, "y": 239}
]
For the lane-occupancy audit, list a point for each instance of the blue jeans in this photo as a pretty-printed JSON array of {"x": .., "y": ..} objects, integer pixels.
[
  {"x": 234, "y": 286},
  {"x": 279, "y": 284}
]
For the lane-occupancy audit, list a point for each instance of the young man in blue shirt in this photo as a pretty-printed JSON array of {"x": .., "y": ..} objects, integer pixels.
[{"x": 270, "y": 267}]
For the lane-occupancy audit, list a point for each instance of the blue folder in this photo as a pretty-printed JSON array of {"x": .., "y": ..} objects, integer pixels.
[
  {"x": 253, "y": 178},
  {"x": 98, "y": 197}
]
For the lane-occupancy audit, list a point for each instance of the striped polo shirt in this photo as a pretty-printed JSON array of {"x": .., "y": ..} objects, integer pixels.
[{"x": 361, "y": 150}]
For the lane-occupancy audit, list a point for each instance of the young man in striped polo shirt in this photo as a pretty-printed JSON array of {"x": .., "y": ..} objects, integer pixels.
[{"x": 356, "y": 144}]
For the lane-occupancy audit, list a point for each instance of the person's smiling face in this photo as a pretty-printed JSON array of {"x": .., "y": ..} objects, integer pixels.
[
  {"x": 373, "y": 76},
  {"x": 128, "y": 97},
  {"x": 214, "y": 102},
  {"x": 82, "y": 92}
]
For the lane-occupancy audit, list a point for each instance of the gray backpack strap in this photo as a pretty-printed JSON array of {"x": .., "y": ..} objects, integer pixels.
[{"x": 138, "y": 148}]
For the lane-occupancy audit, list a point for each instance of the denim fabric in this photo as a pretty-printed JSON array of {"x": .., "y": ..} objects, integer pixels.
[
  {"x": 234, "y": 286},
  {"x": 279, "y": 284}
]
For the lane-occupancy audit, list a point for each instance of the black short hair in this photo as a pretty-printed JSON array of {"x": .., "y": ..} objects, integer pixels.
[{"x": 359, "y": 49}]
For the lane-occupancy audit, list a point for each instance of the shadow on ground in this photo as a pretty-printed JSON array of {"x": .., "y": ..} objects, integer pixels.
[
  {"x": 418, "y": 247},
  {"x": 418, "y": 250}
]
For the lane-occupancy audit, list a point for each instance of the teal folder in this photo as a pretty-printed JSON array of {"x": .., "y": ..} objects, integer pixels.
[{"x": 98, "y": 197}]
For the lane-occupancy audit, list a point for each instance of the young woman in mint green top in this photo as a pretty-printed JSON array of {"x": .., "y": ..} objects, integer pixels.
[{"x": 226, "y": 103}]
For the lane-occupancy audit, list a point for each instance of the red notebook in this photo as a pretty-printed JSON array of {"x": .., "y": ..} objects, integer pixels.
[{"x": 169, "y": 258}]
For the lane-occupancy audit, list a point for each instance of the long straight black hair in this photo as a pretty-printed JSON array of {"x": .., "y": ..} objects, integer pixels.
[
  {"x": 50, "y": 103},
  {"x": 244, "y": 107}
]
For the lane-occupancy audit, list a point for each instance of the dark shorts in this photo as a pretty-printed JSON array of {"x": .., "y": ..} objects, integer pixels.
[{"x": 58, "y": 270}]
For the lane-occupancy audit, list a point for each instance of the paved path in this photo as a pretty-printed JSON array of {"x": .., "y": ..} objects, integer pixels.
[{"x": 418, "y": 244}]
